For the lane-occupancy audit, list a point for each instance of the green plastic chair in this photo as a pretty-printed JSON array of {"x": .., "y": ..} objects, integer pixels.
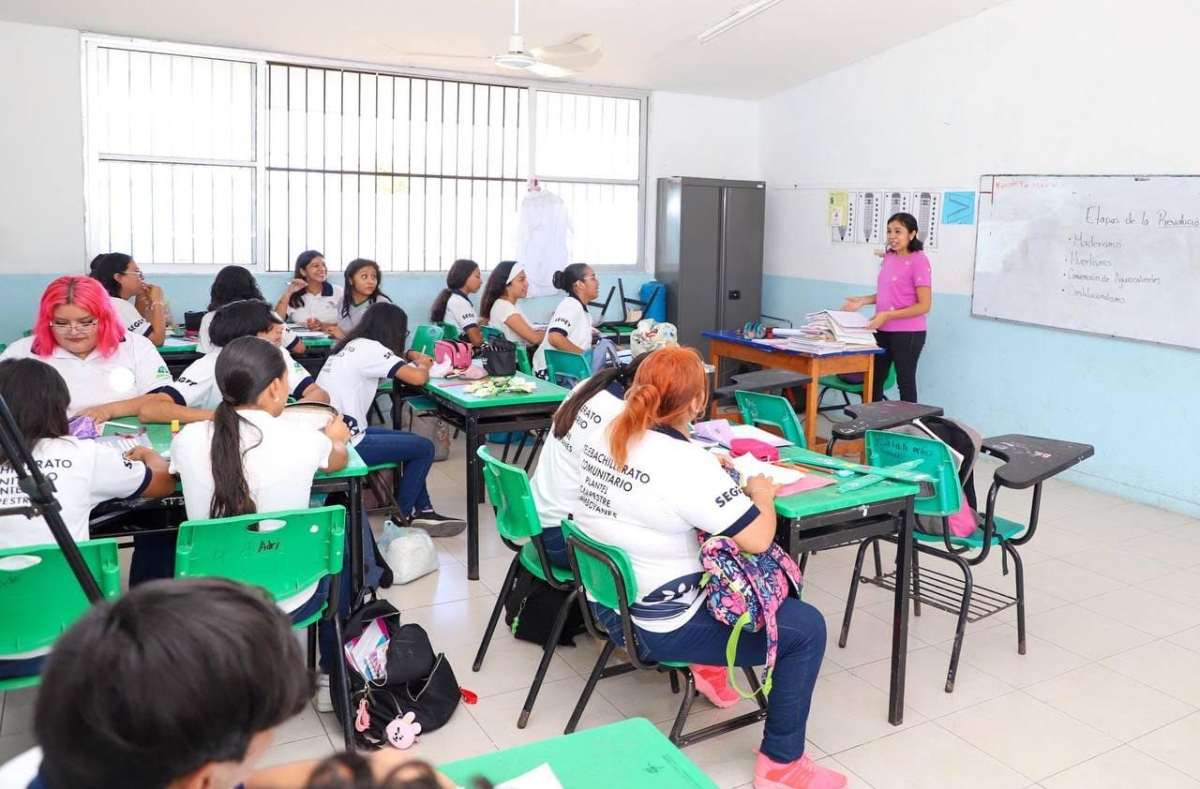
[
  {"x": 517, "y": 520},
  {"x": 41, "y": 597},
  {"x": 758, "y": 408},
  {"x": 306, "y": 547},
  {"x": 937, "y": 501},
  {"x": 606, "y": 572},
  {"x": 449, "y": 331},
  {"x": 568, "y": 365},
  {"x": 424, "y": 338},
  {"x": 828, "y": 382},
  {"x": 3, "y": 347},
  {"x": 492, "y": 333}
]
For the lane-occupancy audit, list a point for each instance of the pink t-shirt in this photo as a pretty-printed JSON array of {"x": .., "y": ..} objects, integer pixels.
[{"x": 899, "y": 278}]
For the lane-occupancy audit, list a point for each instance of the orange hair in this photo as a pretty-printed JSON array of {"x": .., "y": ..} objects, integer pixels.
[{"x": 665, "y": 388}]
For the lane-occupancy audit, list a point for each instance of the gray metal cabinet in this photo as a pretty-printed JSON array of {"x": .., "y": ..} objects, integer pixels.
[{"x": 709, "y": 254}]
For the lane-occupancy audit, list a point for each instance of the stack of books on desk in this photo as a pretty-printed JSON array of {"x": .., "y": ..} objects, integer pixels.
[
  {"x": 849, "y": 328},
  {"x": 815, "y": 346}
]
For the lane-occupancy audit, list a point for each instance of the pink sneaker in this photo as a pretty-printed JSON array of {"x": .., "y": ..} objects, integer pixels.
[
  {"x": 713, "y": 684},
  {"x": 803, "y": 773}
]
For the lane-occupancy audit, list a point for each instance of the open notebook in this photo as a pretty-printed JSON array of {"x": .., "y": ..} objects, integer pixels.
[{"x": 792, "y": 480}]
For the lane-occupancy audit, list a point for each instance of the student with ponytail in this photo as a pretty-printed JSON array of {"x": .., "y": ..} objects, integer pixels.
[
  {"x": 654, "y": 490},
  {"x": 452, "y": 304}
]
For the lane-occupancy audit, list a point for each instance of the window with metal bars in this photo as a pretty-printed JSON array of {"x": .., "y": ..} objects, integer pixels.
[{"x": 194, "y": 162}]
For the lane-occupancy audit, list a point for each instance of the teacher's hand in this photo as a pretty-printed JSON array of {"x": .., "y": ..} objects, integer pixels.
[
  {"x": 879, "y": 319},
  {"x": 854, "y": 304}
]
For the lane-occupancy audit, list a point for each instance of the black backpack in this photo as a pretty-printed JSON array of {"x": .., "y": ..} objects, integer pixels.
[
  {"x": 533, "y": 605},
  {"x": 499, "y": 356},
  {"x": 417, "y": 680}
]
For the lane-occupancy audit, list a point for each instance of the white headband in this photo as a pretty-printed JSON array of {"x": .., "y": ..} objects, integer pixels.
[{"x": 516, "y": 272}]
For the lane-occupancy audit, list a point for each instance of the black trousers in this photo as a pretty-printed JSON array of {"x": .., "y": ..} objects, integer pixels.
[{"x": 903, "y": 349}]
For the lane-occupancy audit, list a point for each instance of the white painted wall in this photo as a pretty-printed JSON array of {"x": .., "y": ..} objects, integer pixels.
[
  {"x": 1033, "y": 86},
  {"x": 41, "y": 150},
  {"x": 698, "y": 136}
]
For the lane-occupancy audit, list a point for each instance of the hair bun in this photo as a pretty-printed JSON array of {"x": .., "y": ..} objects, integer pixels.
[{"x": 558, "y": 279}]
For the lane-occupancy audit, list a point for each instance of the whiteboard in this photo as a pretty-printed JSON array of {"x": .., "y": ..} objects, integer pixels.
[{"x": 1117, "y": 255}]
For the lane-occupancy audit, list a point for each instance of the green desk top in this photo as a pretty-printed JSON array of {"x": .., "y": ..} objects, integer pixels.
[
  {"x": 178, "y": 345},
  {"x": 827, "y": 499},
  {"x": 452, "y": 390},
  {"x": 160, "y": 436},
  {"x": 317, "y": 342},
  {"x": 630, "y": 754}
]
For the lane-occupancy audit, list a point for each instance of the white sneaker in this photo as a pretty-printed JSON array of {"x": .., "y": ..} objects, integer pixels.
[{"x": 322, "y": 700}]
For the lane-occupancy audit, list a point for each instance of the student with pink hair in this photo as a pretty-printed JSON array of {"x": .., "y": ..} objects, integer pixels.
[{"x": 109, "y": 372}]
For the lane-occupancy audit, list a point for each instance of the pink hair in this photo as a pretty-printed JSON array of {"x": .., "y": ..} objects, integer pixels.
[{"x": 88, "y": 294}]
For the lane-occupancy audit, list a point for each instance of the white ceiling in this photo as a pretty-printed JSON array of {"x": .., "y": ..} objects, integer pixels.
[{"x": 648, "y": 44}]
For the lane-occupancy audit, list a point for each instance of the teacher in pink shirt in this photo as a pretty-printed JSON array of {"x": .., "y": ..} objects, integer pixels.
[{"x": 902, "y": 298}]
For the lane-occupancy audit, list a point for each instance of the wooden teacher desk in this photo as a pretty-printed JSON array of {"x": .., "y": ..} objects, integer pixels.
[{"x": 728, "y": 345}]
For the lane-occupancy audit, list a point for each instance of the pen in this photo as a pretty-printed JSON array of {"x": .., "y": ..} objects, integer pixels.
[{"x": 122, "y": 424}]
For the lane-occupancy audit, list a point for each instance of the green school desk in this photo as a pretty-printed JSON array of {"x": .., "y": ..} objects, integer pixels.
[
  {"x": 824, "y": 518},
  {"x": 728, "y": 345},
  {"x": 631, "y": 754},
  {"x": 478, "y": 416}
]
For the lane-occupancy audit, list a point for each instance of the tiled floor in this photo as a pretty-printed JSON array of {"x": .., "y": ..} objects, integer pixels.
[{"x": 1108, "y": 694}]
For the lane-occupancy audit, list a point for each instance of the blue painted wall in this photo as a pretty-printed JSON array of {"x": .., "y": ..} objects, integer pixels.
[
  {"x": 187, "y": 292},
  {"x": 1133, "y": 401}
]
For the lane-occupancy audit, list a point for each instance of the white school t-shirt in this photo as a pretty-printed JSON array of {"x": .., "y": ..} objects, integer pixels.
[
  {"x": 325, "y": 306},
  {"x": 204, "y": 343},
  {"x": 652, "y": 507},
  {"x": 570, "y": 318},
  {"x": 132, "y": 319},
  {"x": 197, "y": 387},
  {"x": 84, "y": 474},
  {"x": 502, "y": 310},
  {"x": 460, "y": 311},
  {"x": 357, "y": 311},
  {"x": 555, "y": 481},
  {"x": 279, "y": 466},
  {"x": 134, "y": 369},
  {"x": 352, "y": 376}
]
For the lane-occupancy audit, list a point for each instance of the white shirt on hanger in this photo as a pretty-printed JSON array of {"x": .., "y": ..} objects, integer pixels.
[{"x": 543, "y": 239}]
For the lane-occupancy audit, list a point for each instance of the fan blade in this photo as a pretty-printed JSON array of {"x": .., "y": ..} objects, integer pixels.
[
  {"x": 443, "y": 55},
  {"x": 578, "y": 62},
  {"x": 580, "y": 45},
  {"x": 551, "y": 71}
]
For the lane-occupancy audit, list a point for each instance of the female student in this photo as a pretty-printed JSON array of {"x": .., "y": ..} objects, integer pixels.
[
  {"x": 234, "y": 283},
  {"x": 309, "y": 299},
  {"x": 505, "y": 287},
  {"x": 363, "y": 281},
  {"x": 653, "y": 489},
  {"x": 452, "y": 304},
  {"x": 369, "y": 354},
  {"x": 109, "y": 372},
  {"x": 195, "y": 395},
  {"x": 570, "y": 326},
  {"x": 902, "y": 297},
  {"x": 85, "y": 473},
  {"x": 122, "y": 278},
  {"x": 590, "y": 409}
]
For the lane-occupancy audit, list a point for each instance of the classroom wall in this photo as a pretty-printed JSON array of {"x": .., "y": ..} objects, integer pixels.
[{"x": 1033, "y": 86}]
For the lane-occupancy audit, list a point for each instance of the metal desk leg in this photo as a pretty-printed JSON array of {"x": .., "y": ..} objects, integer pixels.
[
  {"x": 354, "y": 528},
  {"x": 473, "y": 486},
  {"x": 904, "y": 549}
]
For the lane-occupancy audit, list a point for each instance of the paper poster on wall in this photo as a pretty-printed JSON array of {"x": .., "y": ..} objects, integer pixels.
[
  {"x": 894, "y": 202},
  {"x": 869, "y": 229},
  {"x": 958, "y": 208},
  {"x": 840, "y": 217},
  {"x": 926, "y": 208}
]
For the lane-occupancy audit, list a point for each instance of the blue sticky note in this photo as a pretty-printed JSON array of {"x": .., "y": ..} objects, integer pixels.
[{"x": 958, "y": 208}]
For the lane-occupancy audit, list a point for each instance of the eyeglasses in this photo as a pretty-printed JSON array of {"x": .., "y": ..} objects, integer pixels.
[
  {"x": 137, "y": 272},
  {"x": 590, "y": 276},
  {"x": 66, "y": 327}
]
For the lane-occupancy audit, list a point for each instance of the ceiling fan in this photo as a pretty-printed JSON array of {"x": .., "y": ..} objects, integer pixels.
[{"x": 553, "y": 62}]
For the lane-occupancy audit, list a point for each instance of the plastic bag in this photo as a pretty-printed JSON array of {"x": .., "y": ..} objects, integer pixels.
[
  {"x": 409, "y": 552},
  {"x": 651, "y": 335}
]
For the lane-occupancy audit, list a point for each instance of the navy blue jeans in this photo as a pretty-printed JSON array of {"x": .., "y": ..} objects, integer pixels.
[
  {"x": 414, "y": 454},
  {"x": 702, "y": 641}
]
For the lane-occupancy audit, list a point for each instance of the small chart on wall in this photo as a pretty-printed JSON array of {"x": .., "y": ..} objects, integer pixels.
[
  {"x": 861, "y": 217},
  {"x": 1116, "y": 255}
]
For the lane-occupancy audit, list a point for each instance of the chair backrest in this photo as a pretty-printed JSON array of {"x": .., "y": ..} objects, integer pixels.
[
  {"x": 889, "y": 381},
  {"x": 508, "y": 490},
  {"x": 449, "y": 331},
  {"x": 605, "y": 571},
  {"x": 424, "y": 338},
  {"x": 41, "y": 597},
  {"x": 567, "y": 365},
  {"x": 523, "y": 363},
  {"x": 758, "y": 408},
  {"x": 283, "y": 552},
  {"x": 602, "y": 306},
  {"x": 492, "y": 333},
  {"x": 889, "y": 449}
]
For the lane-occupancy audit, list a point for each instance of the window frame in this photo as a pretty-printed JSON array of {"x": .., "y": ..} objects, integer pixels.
[{"x": 91, "y": 43}]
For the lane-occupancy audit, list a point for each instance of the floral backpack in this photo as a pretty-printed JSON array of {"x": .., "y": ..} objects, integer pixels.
[{"x": 744, "y": 591}]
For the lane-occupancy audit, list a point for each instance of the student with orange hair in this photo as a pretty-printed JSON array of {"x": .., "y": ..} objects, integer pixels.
[
  {"x": 647, "y": 490},
  {"x": 109, "y": 371}
]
